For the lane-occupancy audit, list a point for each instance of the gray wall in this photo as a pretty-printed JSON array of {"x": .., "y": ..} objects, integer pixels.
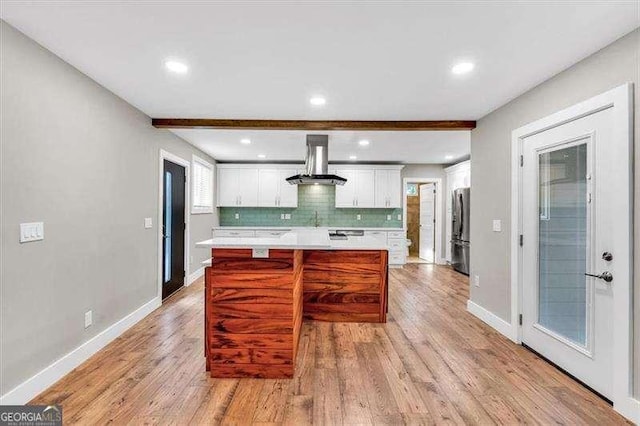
[
  {"x": 435, "y": 171},
  {"x": 85, "y": 162},
  {"x": 490, "y": 167}
]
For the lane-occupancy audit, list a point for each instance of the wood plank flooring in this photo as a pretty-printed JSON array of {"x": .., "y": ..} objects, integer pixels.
[{"x": 432, "y": 363}]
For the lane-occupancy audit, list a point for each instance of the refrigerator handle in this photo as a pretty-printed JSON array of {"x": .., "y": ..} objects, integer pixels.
[{"x": 461, "y": 216}]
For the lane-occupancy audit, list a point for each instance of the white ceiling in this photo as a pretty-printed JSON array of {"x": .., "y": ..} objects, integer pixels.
[
  {"x": 403, "y": 147},
  {"x": 371, "y": 60}
]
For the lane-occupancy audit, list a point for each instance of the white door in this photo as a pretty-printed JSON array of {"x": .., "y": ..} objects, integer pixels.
[
  {"x": 227, "y": 187},
  {"x": 394, "y": 187},
  {"x": 247, "y": 187},
  {"x": 571, "y": 220},
  {"x": 427, "y": 221},
  {"x": 288, "y": 196},
  {"x": 365, "y": 188},
  {"x": 382, "y": 192},
  {"x": 268, "y": 187},
  {"x": 345, "y": 194}
]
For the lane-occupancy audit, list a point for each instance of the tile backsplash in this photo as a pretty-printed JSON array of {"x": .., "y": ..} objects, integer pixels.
[{"x": 311, "y": 199}]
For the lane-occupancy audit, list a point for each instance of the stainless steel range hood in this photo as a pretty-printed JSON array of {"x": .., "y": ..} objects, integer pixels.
[{"x": 316, "y": 166}]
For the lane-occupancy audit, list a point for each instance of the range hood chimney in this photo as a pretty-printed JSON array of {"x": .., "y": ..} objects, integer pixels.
[{"x": 316, "y": 165}]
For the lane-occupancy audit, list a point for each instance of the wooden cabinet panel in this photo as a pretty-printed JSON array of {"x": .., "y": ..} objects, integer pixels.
[
  {"x": 250, "y": 310},
  {"x": 241, "y": 325},
  {"x": 250, "y": 295}
]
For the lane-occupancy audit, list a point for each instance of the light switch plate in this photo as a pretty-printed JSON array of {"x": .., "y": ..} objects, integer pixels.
[
  {"x": 148, "y": 223},
  {"x": 282, "y": 216},
  {"x": 88, "y": 319},
  {"x": 33, "y": 231},
  {"x": 497, "y": 225},
  {"x": 476, "y": 280},
  {"x": 358, "y": 217},
  {"x": 260, "y": 253},
  {"x": 388, "y": 217},
  {"x": 399, "y": 217},
  {"x": 287, "y": 216},
  {"x": 237, "y": 216}
]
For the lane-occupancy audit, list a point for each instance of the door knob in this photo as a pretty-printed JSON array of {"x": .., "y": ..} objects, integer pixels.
[{"x": 606, "y": 276}]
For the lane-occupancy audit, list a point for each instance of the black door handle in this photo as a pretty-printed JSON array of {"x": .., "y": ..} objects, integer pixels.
[{"x": 606, "y": 276}]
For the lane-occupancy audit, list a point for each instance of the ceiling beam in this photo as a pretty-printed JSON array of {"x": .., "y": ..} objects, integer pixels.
[{"x": 216, "y": 123}]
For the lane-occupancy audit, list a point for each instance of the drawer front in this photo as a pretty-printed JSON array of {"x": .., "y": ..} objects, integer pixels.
[
  {"x": 233, "y": 233},
  {"x": 397, "y": 234},
  {"x": 397, "y": 244},
  {"x": 378, "y": 235},
  {"x": 396, "y": 259},
  {"x": 270, "y": 234}
]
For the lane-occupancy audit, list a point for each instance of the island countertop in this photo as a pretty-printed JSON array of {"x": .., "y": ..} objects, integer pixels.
[{"x": 298, "y": 239}]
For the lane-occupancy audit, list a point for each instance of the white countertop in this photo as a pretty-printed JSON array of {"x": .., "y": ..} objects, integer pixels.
[
  {"x": 305, "y": 239},
  {"x": 296, "y": 228}
]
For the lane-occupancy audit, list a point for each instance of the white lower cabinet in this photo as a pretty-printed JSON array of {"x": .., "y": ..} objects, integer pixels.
[{"x": 396, "y": 241}]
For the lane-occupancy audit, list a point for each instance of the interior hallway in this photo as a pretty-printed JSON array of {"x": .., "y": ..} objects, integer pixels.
[{"x": 431, "y": 363}]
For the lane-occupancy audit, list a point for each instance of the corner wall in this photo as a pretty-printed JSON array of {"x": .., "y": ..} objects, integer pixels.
[
  {"x": 612, "y": 66},
  {"x": 84, "y": 162}
]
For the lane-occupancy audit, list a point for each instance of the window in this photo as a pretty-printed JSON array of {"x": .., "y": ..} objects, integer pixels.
[{"x": 202, "y": 187}]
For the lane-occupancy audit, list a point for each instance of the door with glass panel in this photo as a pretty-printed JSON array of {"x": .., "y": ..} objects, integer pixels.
[
  {"x": 173, "y": 228},
  {"x": 568, "y": 248}
]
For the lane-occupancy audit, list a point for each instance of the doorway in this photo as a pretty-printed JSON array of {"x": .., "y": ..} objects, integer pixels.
[
  {"x": 173, "y": 229},
  {"x": 572, "y": 213},
  {"x": 421, "y": 220}
]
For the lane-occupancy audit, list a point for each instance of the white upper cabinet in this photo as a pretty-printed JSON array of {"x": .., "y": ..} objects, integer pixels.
[
  {"x": 237, "y": 187},
  {"x": 358, "y": 191},
  {"x": 288, "y": 193},
  {"x": 274, "y": 190},
  {"x": 388, "y": 192},
  {"x": 249, "y": 185},
  {"x": 265, "y": 185}
]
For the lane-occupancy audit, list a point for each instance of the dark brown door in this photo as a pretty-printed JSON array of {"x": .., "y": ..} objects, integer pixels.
[{"x": 173, "y": 228}]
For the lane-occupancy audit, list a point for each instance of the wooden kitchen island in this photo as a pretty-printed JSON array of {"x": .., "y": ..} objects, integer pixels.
[{"x": 258, "y": 290}]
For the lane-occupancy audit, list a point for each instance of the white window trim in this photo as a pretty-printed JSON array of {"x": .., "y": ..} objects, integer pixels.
[{"x": 197, "y": 209}]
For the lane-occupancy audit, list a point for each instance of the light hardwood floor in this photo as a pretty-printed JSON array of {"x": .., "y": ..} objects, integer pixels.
[{"x": 432, "y": 363}]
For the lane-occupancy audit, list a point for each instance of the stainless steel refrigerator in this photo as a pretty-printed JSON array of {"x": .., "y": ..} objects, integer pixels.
[{"x": 460, "y": 244}]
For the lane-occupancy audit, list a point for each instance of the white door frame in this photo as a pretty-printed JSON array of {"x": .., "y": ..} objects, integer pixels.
[
  {"x": 439, "y": 258},
  {"x": 620, "y": 99},
  {"x": 165, "y": 155}
]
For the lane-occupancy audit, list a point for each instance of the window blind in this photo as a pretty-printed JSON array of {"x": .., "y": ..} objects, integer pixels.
[{"x": 202, "y": 184}]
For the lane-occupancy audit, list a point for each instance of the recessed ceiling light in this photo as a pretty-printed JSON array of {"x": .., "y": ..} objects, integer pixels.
[
  {"x": 245, "y": 141},
  {"x": 448, "y": 157},
  {"x": 262, "y": 156},
  {"x": 364, "y": 142},
  {"x": 462, "y": 68},
  {"x": 317, "y": 100},
  {"x": 176, "y": 67},
  {"x": 352, "y": 157}
]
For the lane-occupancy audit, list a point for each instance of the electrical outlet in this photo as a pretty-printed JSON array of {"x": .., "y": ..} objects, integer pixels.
[
  {"x": 287, "y": 216},
  {"x": 497, "y": 225},
  {"x": 358, "y": 217},
  {"x": 88, "y": 319},
  {"x": 476, "y": 280},
  {"x": 237, "y": 216},
  {"x": 281, "y": 216},
  {"x": 33, "y": 231},
  {"x": 148, "y": 223},
  {"x": 399, "y": 217},
  {"x": 388, "y": 217}
]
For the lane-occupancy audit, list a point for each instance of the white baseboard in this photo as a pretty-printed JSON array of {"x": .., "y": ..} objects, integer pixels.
[
  {"x": 629, "y": 408},
  {"x": 492, "y": 320},
  {"x": 194, "y": 276},
  {"x": 35, "y": 385}
]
